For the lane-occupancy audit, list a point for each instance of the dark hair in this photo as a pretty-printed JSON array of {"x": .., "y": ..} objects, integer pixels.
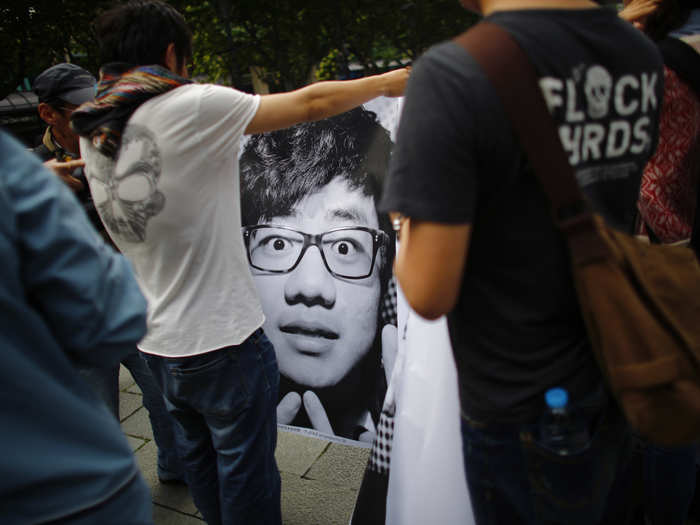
[
  {"x": 139, "y": 33},
  {"x": 668, "y": 15},
  {"x": 280, "y": 168}
]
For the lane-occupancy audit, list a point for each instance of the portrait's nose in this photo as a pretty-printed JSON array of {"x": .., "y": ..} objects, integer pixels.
[{"x": 310, "y": 283}]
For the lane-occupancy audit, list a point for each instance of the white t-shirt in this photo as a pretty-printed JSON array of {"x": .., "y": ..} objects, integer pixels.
[{"x": 171, "y": 203}]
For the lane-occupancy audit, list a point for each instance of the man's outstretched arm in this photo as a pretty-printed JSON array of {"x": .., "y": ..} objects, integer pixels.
[{"x": 324, "y": 99}]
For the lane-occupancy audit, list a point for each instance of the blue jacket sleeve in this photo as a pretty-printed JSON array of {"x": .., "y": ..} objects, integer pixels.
[{"x": 85, "y": 291}]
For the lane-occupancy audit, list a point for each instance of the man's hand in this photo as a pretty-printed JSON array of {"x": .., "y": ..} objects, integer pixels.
[
  {"x": 65, "y": 170},
  {"x": 637, "y": 11},
  {"x": 324, "y": 99},
  {"x": 289, "y": 407},
  {"x": 317, "y": 414},
  {"x": 396, "y": 81},
  {"x": 390, "y": 347}
]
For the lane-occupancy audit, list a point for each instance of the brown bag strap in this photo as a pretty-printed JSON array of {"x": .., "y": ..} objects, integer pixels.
[{"x": 514, "y": 78}]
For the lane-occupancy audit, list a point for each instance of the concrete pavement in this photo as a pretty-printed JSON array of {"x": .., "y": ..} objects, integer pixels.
[{"x": 320, "y": 479}]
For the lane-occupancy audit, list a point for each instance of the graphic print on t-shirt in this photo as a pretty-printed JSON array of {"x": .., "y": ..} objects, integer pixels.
[
  {"x": 605, "y": 121},
  {"x": 125, "y": 192}
]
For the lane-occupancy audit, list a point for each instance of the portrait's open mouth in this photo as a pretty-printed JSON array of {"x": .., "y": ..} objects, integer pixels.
[{"x": 309, "y": 331}]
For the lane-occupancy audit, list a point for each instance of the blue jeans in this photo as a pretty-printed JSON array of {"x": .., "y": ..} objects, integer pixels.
[
  {"x": 512, "y": 478},
  {"x": 224, "y": 404},
  {"x": 659, "y": 483},
  {"x": 669, "y": 483},
  {"x": 105, "y": 381}
]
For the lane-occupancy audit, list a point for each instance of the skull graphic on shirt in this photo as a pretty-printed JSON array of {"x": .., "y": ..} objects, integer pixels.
[
  {"x": 125, "y": 192},
  {"x": 598, "y": 89}
]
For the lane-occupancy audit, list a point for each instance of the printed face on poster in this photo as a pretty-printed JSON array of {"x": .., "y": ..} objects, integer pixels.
[{"x": 321, "y": 257}]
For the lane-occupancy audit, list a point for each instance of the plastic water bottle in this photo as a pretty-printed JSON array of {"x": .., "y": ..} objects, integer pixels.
[{"x": 561, "y": 431}]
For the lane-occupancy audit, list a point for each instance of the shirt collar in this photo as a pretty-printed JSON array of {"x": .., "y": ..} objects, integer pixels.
[{"x": 55, "y": 148}]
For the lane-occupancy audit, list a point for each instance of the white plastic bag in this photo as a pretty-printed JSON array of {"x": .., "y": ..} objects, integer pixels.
[{"x": 426, "y": 480}]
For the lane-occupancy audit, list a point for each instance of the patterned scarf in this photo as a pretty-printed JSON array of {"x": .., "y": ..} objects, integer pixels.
[{"x": 121, "y": 90}]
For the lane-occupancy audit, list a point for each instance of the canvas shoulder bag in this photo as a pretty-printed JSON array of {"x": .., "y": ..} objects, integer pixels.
[{"x": 640, "y": 302}]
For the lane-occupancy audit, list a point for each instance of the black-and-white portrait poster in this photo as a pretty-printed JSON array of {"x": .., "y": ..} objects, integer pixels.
[{"x": 321, "y": 257}]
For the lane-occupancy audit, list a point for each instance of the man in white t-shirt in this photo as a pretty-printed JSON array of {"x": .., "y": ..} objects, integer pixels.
[{"x": 161, "y": 160}]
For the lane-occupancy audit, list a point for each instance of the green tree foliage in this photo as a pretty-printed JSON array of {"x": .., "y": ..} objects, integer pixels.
[
  {"x": 35, "y": 34},
  {"x": 290, "y": 39},
  {"x": 374, "y": 34},
  {"x": 284, "y": 38},
  {"x": 287, "y": 40}
]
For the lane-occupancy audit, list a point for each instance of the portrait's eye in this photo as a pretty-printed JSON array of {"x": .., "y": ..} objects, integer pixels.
[
  {"x": 274, "y": 249},
  {"x": 275, "y": 245},
  {"x": 279, "y": 245},
  {"x": 349, "y": 251},
  {"x": 346, "y": 248}
]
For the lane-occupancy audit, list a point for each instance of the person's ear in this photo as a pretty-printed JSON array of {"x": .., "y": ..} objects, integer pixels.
[
  {"x": 170, "y": 60},
  {"x": 47, "y": 113}
]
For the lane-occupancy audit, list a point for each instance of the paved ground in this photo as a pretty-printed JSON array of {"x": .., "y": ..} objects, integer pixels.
[{"x": 320, "y": 480}]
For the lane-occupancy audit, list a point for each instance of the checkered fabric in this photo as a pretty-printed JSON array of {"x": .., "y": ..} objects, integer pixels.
[
  {"x": 380, "y": 458},
  {"x": 389, "y": 309}
]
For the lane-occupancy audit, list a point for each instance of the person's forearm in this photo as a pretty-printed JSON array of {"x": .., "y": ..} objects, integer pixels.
[
  {"x": 328, "y": 98},
  {"x": 430, "y": 264},
  {"x": 323, "y": 100}
]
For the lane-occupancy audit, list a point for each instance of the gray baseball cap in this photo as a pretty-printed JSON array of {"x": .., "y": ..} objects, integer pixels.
[{"x": 66, "y": 82}]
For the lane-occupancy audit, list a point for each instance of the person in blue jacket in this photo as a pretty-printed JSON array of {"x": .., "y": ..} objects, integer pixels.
[{"x": 65, "y": 297}]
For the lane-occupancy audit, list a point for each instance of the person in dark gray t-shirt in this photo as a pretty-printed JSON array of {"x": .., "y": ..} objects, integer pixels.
[{"x": 478, "y": 243}]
